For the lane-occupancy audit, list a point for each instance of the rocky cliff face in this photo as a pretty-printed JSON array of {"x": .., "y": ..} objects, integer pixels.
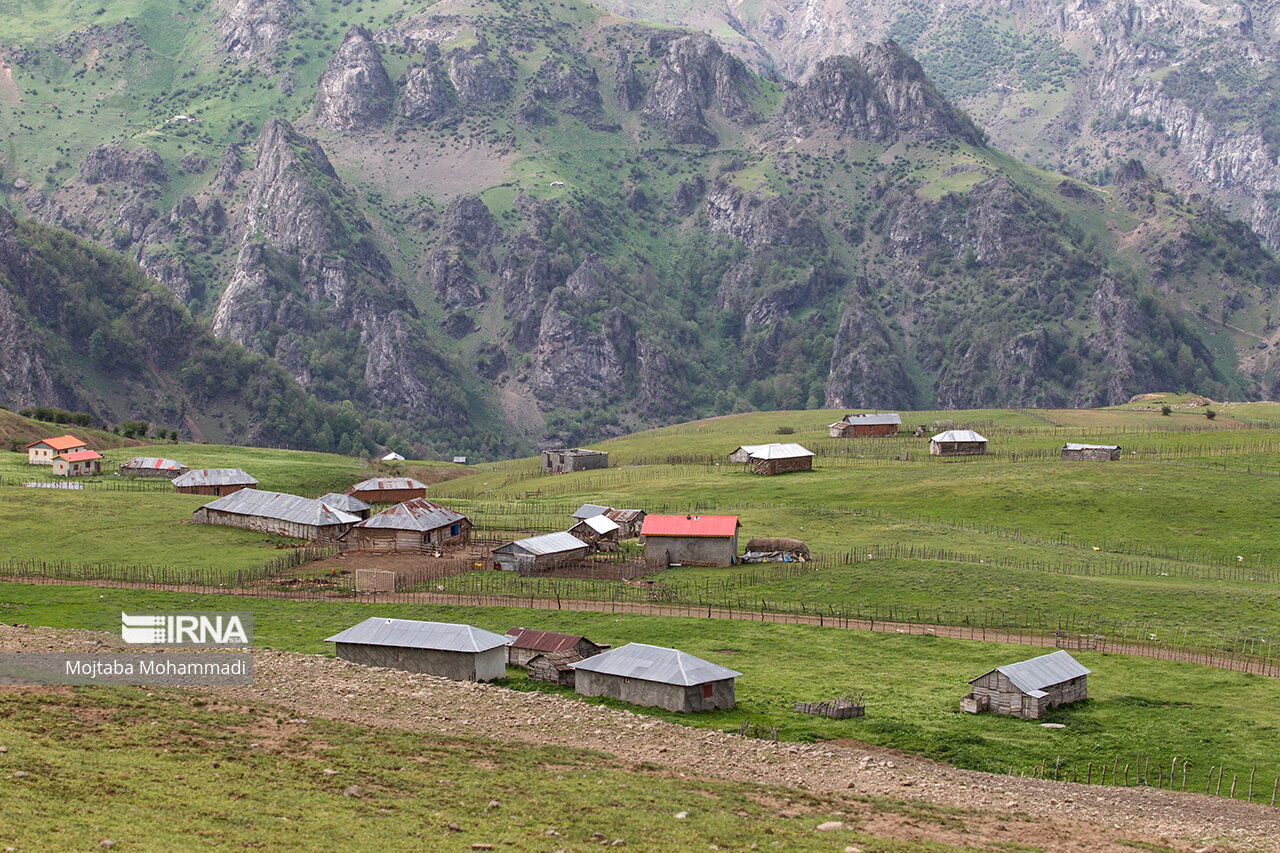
[
  {"x": 693, "y": 75},
  {"x": 354, "y": 93},
  {"x": 25, "y": 379},
  {"x": 254, "y": 29}
]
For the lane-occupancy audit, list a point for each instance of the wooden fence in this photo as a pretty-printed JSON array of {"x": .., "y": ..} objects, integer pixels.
[{"x": 1172, "y": 775}]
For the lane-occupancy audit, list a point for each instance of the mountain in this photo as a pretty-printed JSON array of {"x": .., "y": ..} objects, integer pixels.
[{"x": 498, "y": 223}]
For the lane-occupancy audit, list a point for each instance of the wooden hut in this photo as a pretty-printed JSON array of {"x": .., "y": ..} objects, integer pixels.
[
  {"x": 219, "y": 482},
  {"x": 690, "y": 540},
  {"x": 459, "y": 652},
  {"x": 387, "y": 490},
  {"x": 629, "y": 521},
  {"x": 598, "y": 531},
  {"x": 1090, "y": 452},
  {"x": 412, "y": 527},
  {"x": 576, "y": 459},
  {"x": 153, "y": 466},
  {"x": 80, "y": 463},
  {"x": 525, "y": 643},
  {"x": 277, "y": 514},
  {"x": 1029, "y": 688},
  {"x": 42, "y": 452},
  {"x": 538, "y": 553},
  {"x": 656, "y": 676},
  {"x": 553, "y": 667},
  {"x": 863, "y": 426},
  {"x": 957, "y": 442},
  {"x": 771, "y": 459}
]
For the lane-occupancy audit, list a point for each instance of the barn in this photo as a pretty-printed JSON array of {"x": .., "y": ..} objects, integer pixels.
[
  {"x": 957, "y": 442},
  {"x": 79, "y": 463},
  {"x": 346, "y": 503},
  {"x": 773, "y": 458},
  {"x": 539, "y": 553},
  {"x": 656, "y": 676},
  {"x": 598, "y": 531},
  {"x": 1029, "y": 688},
  {"x": 152, "y": 466},
  {"x": 412, "y": 527},
  {"x": 388, "y": 490},
  {"x": 42, "y": 452},
  {"x": 526, "y": 643},
  {"x": 577, "y": 459},
  {"x": 277, "y": 514},
  {"x": 1090, "y": 452},
  {"x": 862, "y": 426},
  {"x": 459, "y": 652},
  {"x": 213, "y": 481},
  {"x": 691, "y": 540}
]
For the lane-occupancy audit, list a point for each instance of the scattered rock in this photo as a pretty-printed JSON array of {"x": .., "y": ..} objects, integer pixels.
[
  {"x": 351, "y": 791},
  {"x": 106, "y": 844},
  {"x": 453, "y": 827},
  {"x": 493, "y": 804},
  {"x": 20, "y": 774},
  {"x": 681, "y": 815},
  {"x": 329, "y": 771},
  {"x": 830, "y": 825}
]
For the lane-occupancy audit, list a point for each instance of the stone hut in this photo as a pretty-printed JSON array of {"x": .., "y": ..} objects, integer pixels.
[
  {"x": 387, "y": 490},
  {"x": 957, "y": 442},
  {"x": 577, "y": 459},
  {"x": 538, "y": 553},
  {"x": 277, "y": 514},
  {"x": 153, "y": 466},
  {"x": 412, "y": 527},
  {"x": 219, "y": 482},
  {"x": 1029, "y": 688},
  {"x": 1090, "y": 452},
  {"x": 526, "y": 643},
  {"x": 656, "y": 676},
  {"x": 862, "y": 426},
  {"x": 771, "y": 459},
  {"x": 459, "y": 652},
  {"x": 691, "y": 540}
]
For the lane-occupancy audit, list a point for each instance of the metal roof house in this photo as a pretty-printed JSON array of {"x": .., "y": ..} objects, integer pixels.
[
  {"x": 629, "y": 521},
  {"x": 388, "y": 490},
  {"x": 957, "y": 442},
  {"x": 277, "y": 514},
  {"x": 577, "y": 459},
  {"x": 213, "y": 481},
  {"x": 861, "y": 426},
  {"x": 526, "y": 643},
  {"x": 458, "y": 652},
  {"x": 42, "y": 452},
  {"x": 346, "y": 503},
  {"x": 1029, "y": 688},
  {"x": 774, "y": 458},
  {"x": 588, "y": 510},
  {"x": 1090, "y": 452},
  {"x": 599, "y": 531},
  {"x": 78, "y": 463},
  {"x": 652, "y": 675},
  {"x": 393, "y": 457},
  {"x": 152, "y": 466},
  {"x": 692, "y": 540},
  {"x": 538, "y": 553},
  {"x": 416, "y": 526}
]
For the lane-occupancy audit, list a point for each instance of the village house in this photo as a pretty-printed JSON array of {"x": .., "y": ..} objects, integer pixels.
[
  {"x": 538, "y": 553},
  {"x": 577, "y": 459},
  {"x": 393, "y": 457},
  {"x": 152, "y": 466},
  {"x": 459, "y": 652},
  {"x": 526, "y": 643},
  {"x": 628, "y": 520},
  {"x": 586, "y": 511},
  {"x": 388, "y": 490},
  {"x": 658, "y": 677},
  {"x": 412, "y": 527},
  {"x": 957, "y": 442},
  {"x": 771, "y": 459},
  {"x": 690, "y": 540},
  {"x": 42, "y": 452},
  {"x": 80, "y": 463},
  {"x": 219, "y": 482},
  {"x": 862, "y": 426},
  {"x": 598, "y": 531},
  {"x": 277, "y": 514},
  {"x": 1029, "y": 688},
  {"x": 1090, "y": 452},
  {"x": 346, "y": 503}
]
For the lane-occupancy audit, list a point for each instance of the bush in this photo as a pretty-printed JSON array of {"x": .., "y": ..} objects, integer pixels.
[
  {"x": 1166, "y": 410},
  {"x": 786, "y": 430},
  {"x": 1210, "y": 414}
]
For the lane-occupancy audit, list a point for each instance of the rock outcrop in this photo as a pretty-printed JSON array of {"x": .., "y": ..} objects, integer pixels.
[
  {"x": 354, "y": 92},
  {"x": 254, "y": 29},
  {"x": 693, "y": 74}
]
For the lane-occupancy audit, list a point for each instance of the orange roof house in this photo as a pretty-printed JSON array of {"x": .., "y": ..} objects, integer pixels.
[
  {"x": 42, "y": 452},
  {"x": 81, "y": 463}
]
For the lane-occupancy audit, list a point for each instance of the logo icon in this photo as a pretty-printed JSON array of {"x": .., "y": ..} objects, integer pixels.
[
  {"x": 143, "y": 629},
  {"x": 187, "y": 629}
]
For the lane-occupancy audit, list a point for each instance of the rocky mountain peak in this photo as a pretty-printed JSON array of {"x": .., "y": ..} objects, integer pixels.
[
  {"x": 694, "y": 74},
  {"x": 282, "y": 201},
  {"x": 354, "y": 92},
  {"x": 253, "y": 29}
]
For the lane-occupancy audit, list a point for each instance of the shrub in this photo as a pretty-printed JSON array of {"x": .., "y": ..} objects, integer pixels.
[
  {"x": 1166, "y": 410},
  {"x": 1210, "y": 414},
  {"x": 786, "y": 430}
]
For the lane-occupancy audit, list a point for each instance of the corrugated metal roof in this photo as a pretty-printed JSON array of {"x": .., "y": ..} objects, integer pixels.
[
  {"x": 60, "y": 442},
  {"x": 951, "y": 435},
  {"x": 1032, "y": 676},
  {"x": 411, "y": 634},
  {"x": 540, "y": 546},
  {"x": 873, "y": 418},
  {"x": 416, "y": 514},
  {"x": 346, "y": 503},
  {"x": 1072, "y": 446},
  {"x": 214, "y": 477},
  {"x": 588, "y": 510},
  {"x": 152, "y": 463},
  {"x": 79, "y": 456},
  {"x": 690, "y": 525},
  {"x": 654, "y": 663},
  {"x": 278, "y": 505},
  {"x": 542, "y": 641},
  {"x": 385, "y": 484},
  {"x": 624, "y": 516},
  {"x": 600, "y": 524},
  {"x": 393, "y": 457},
  {"x": 774, "y": 451}
]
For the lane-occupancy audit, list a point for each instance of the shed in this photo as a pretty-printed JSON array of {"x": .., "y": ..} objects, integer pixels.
[
  {"x": 576, "y": 459},
  {"x": 80, "y": 463},
  {"x": 599, "y": 531},
  {"x": 861, "y": 426},
  {"x": 213, "y": 481},
  {"x": 42, "y": 452},
  {"x": 656, "y": 676},
  {"x": 691, "y": 540},
  {"x": 393, "y": 457},
  {"x": 459, "y": 652},
  {"x": 1090, "y": 452},
  {"x": 525, "y": 643},
  {"x": 553, "y": 667},
  {"x": 629, "y": 521},
  {"x": 388, "y": 490},
  {"x": 414, "y": 527},
  {"x": 1029, "y": 688},
  {"x": 153, "y": 466},
  {"x": 346, "y": 503},
  {"x": 539, "y": 553},
  {"x": 278, "y": 514},
  {"x": 773, "y": 458},
  {"x": 459, "y": 460},
  {"x": 957, "y": 442}
]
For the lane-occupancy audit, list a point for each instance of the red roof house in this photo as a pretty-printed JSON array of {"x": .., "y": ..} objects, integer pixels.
[
  {"x": 692, "y": 540},
  {"x": 42, "y": 452},
  {"x": 81, "y": 463}
]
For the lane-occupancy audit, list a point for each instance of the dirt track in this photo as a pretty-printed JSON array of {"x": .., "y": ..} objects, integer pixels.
[{"x": 1047, "y": 815}]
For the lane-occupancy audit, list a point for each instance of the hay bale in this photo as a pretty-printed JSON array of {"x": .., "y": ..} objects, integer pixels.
[{"x": 766, "y": 544}]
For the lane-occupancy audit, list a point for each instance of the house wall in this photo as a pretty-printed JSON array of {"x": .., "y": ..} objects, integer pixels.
[
  {"x": 692, "y": 550},
  {"x": 957, "y": 448},
  {"x": 529, "y": 564},
  {"x": 1091, "y": 455},
  {"x": 542, "y": 669},
  {"x": 864, "y": 430},
  {"x": 169, "y": 473},
  {"x": 1004, "y": 698},
  {"x": 216, "y": 491},
  {"x": 781, "y": 466},
  {"x": 389, "y": 496},
  {"x": 671, "y": 697},
  {"x": 271, "y": 526},
  {"x": 459, "y": 666},
  {"x": 63, "y": 468},
  {"x": 382, "y": 540},
  {"x": 563, "y": 462}
]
